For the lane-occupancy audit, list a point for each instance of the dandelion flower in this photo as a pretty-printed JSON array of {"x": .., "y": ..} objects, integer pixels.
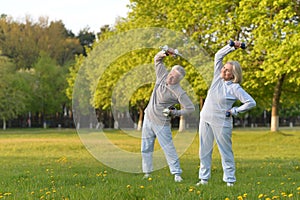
[
  {"x": 142, "y": 187},
  {"x": 283, "y": 194},
  {"x": 240, "y": 198},
  {"x": 245, "y": 195},
  {"x": 191, "y": 190},
  {"x": 227, "y": 198},
  {"x": 260, "y": 196},
  {"x": 290, "y": 195},
  {"x": 149, "y": 179},
  {"x": 198, "y": 192}
]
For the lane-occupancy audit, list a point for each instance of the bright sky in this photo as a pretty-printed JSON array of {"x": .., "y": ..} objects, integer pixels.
[{"x": 75, "y": 14}]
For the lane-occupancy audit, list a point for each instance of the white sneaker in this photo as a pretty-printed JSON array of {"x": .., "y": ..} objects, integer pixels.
[
  {"x": 230, "y": 184},
  {"x": 202, "y": 182},
  {"x": 146, "y": 176},
  {"x": 178, "y": 178}
]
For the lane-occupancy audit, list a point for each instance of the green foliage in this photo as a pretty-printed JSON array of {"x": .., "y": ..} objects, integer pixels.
[
  {"x": 23, "y": 42},
  {"x": 49, "y": 85},
  {"x": 13, "y": 90}
]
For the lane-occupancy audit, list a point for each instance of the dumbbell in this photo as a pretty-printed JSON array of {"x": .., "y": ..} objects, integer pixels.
[
  {"x": 231, "y": 43},
  {"x": 165, "y": 49}
]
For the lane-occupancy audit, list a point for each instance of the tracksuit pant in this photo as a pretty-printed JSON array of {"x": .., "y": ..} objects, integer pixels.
[
  {"x": 222, "y": 136},
  {"x": 163, "y": 133}
]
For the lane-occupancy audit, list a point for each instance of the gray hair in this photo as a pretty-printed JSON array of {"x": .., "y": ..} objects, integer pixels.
[
  {"x": 236, "y": 71},
  {"x": 180, "y": 69}
]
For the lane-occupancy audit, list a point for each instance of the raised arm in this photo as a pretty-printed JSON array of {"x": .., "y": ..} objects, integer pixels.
[{"x": 219, "y": 56}]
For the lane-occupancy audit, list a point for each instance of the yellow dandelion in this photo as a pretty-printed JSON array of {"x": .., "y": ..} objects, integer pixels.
[
  {"x": 283, "y": 194},
  {"x": 47, "y": 193},
  {"x": 7, "y": 194},
  {"x": 142, "y": 187},
  {"x": 275, "y": 197},
  {"x": 99, "y": 174},
  {"x": 282, "y": 183},
  {"x": 245, "y": 195},
  {"x": 272, "y": 191},
  {"x": 290, "y": 195},
  {"x": 1, "y": 196},
  {"x": 54, "y": 191},
  {"x": 128, "y": 186},
  {"x": 83, "y": 187},
  {"x": 258, "y": 183},
  {"x": 260, "y": 196},
  {"x": 191, "y": 190},
  {"x": 268, "y": 198},
  {"x": 32, "y": 192},
  {"x": 198, "y": 192},
  {"x": 104, "y": 175},
  {"x": 227, "y": 198},
  {"x": 240, "y": 198},
  {"x": 105, "y": 172},
  {"x": 298, "y": 188},
  {"x": 149, "y": 179}
]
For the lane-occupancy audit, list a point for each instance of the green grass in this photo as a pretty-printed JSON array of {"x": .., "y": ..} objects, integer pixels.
[{"x": 54, "y": 164}]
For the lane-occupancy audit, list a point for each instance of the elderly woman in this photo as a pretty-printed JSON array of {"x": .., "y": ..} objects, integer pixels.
[
  {"x": 216, "y": 115},
  {"x": 166, "y": 93}
]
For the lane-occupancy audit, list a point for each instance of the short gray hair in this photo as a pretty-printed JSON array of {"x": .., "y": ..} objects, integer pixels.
[
  {"x": 236, "y": 71},
  {"x": 180, "y": 69}
]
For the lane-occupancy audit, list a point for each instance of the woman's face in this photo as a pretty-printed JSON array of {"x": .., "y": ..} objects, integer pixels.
[{"x": 226, "y": 72}]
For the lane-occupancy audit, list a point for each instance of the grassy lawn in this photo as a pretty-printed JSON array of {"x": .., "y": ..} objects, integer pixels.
[{"x": 54, "y": 164}]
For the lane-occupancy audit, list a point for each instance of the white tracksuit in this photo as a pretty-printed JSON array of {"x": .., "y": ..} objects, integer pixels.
[
  {"x": 214, "y": 125},
  {"x": 156, "y": 125}
]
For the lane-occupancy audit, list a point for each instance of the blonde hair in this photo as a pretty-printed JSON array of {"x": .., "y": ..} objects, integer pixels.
[{"x": 236, "y": 72}]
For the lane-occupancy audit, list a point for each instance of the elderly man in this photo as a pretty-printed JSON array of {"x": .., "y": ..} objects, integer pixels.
[{"x": 166, "y": 93}]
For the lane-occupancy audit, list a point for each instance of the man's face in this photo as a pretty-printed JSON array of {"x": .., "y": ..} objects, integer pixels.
[{"x": 173, "y": 77}]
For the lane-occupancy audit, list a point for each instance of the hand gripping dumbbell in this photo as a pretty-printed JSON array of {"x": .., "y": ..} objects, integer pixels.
[
  {"x": 165, "y": 48},
  {"x": 231, "y": 43}
]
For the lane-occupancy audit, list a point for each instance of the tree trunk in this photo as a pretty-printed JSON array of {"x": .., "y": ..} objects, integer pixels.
[
  {"x": 201, "y": 103},
  {"x": 4, "y": 123},
  {"x": 181, "y": 124},
  {"x": 275, "y": 104},
  {"x": 141, "y": 116}
]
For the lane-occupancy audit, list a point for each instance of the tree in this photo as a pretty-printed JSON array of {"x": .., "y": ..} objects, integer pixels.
[
  {"x": 272, "y": 29},
  {"x": 13, "y": 96},
  {"x": 86, "y": 39},
  {"x": 23, "y": 42},
  {"x": 49, "y": 87}
]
